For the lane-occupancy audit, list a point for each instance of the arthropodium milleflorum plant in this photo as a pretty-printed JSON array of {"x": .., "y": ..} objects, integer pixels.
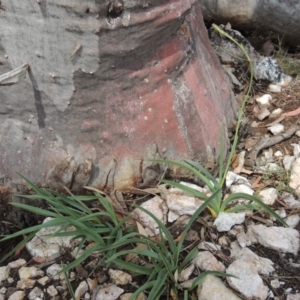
[
  {"x": 110, "y": 235},
  {"x": 166, "y": 260},
  {"x": 217, "y": 204}
]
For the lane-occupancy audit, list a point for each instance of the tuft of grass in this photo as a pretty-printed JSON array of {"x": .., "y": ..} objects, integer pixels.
[
  {"x": 217, "y": 204},
  {"x": 115, "y": 240}
]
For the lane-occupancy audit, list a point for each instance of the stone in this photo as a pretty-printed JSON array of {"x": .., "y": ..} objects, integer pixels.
[
  {"x": 127, "y": 296},
  {"x": 44, "y": 280},
  {"x": 49, "y": 247},
  {"x": 186, "y": 273},
  {"x": 290, "y": 200},
  {"x": 155, "y": 206},
  {"x": 233, "y": 178},
  {"x": 275, "y": 88},
  {"x": 17, "y": 263},
  {"x": 206, "y": 261},
  {"x": 212, "y": 288},
  {"x": 209, "y": 246},
  {"x": 268, "y": 196},
  {"x": 34, "y": 293},
  {"x": 264, "y": 100},
  {"x": 4, "y": 273},
  {"x": 108, "y": 81},
  {"x": 81, "y": 289},
  {"x": 263, "y": 114},
  {"x": 119, "y": 277},
  {"x": 293, "y": 220},
  {"x": 52, "y": 291},
  {"x": 181, "y": 205},
  {"x": 295, "y": 176},
  {"x": 293, "y": 296},
  {"x": 30, "y": 272},
  {"x": 53, "y": 271},
  {"x": 110, "y": 292},
  {"x": 225, "y": 221},
  {"x": 276, "y": 129},
  {"x": 261, "y": 264},
  {"x": 26, "y": 284},
  {"x": 248, "y": 282},
  {"x": 18, "y": 295},
  {"x": 276, "y": 113},
  {"x": 277, "y": 238},
  {"x": 288, "y": 161}
]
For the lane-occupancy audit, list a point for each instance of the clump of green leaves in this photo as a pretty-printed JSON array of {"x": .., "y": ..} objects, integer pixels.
[
  {"x": 112, "y": 235},
  {"x": 217, "y": 204}
]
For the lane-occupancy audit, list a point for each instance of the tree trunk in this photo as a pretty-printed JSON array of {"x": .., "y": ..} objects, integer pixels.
[
  {"x": 279, "y": 16},
  {"x": 108, "y": 84}
]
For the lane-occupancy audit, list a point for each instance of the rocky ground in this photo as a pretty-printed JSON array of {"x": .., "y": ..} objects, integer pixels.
[{"x": 262, "y": 253}]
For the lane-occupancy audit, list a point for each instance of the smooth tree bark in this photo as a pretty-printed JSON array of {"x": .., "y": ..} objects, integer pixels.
[{"x": 108, "y": 85}]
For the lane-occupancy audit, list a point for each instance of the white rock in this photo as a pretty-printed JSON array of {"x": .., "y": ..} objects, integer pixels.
[
  {"x": 182, "y": 205},
  {"x": 212, "y": 288},
  {"x": 243, "y": 239},
  {"x": 206, "y": 261},
  {"x": 194, "y": 186},
  {"x": 36, "y": 292},
  {"x": 248, "y": 283},
  {"x": 261, "y": 265},
  {"x": 110, "y": 292},
  {"x": 225, "y": 221},
  {"x": 297, "y": 133},
  {"x": 296, "y": 150},
  {"x": 276, "y": 129},
  {"x": 18, "y": 295},
  {"x": 263, "y": 114},
  {"x": 10, "y": 280},
  {"x": 17, "y": 263},
  {"x": 53, "y": 271},
  {"x": 276, "y": 113},
  {"x": 81, "y": 289},
  {"x": 264, "y": 100},
  {"x": 241, "y": 188},
  {"x": 292, "y": 220},
  {"x": 52, "y": 291},
  {"x": 233, "y": 178},
  {"x": 127, "y": 296},
  {"x": 288, "y": 161},
  {"x": 275, "y": 283},
  {"x": 50, "y": 247},
  {"x": 30, "y": 272},
  {"x": 278, "y": 154},
  {"x": 254, "y": 124},
  {"x": 272, "y": 167},
  {"x": 281, "y": 213},
  {"x": 275, "y": 88},
  {"x": 26, "y": 284},
  {"x": 4, "y": 273},
  {"x": 44, "y": 280},
  {"x": 208, "y": 246},
  {"x": 269, "y": 195},
  {"x": 119, "y": 277},
  {"x": 290, "y": 200},
  {"x": 277, "y": 238},
  {"x": 293, "y": 297},
  {"x": 2, "y": 297},
  {"x": 186, "y": 273},
  {"x": 295, "y": 176},
  {"x": 155, "y": 206}
]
